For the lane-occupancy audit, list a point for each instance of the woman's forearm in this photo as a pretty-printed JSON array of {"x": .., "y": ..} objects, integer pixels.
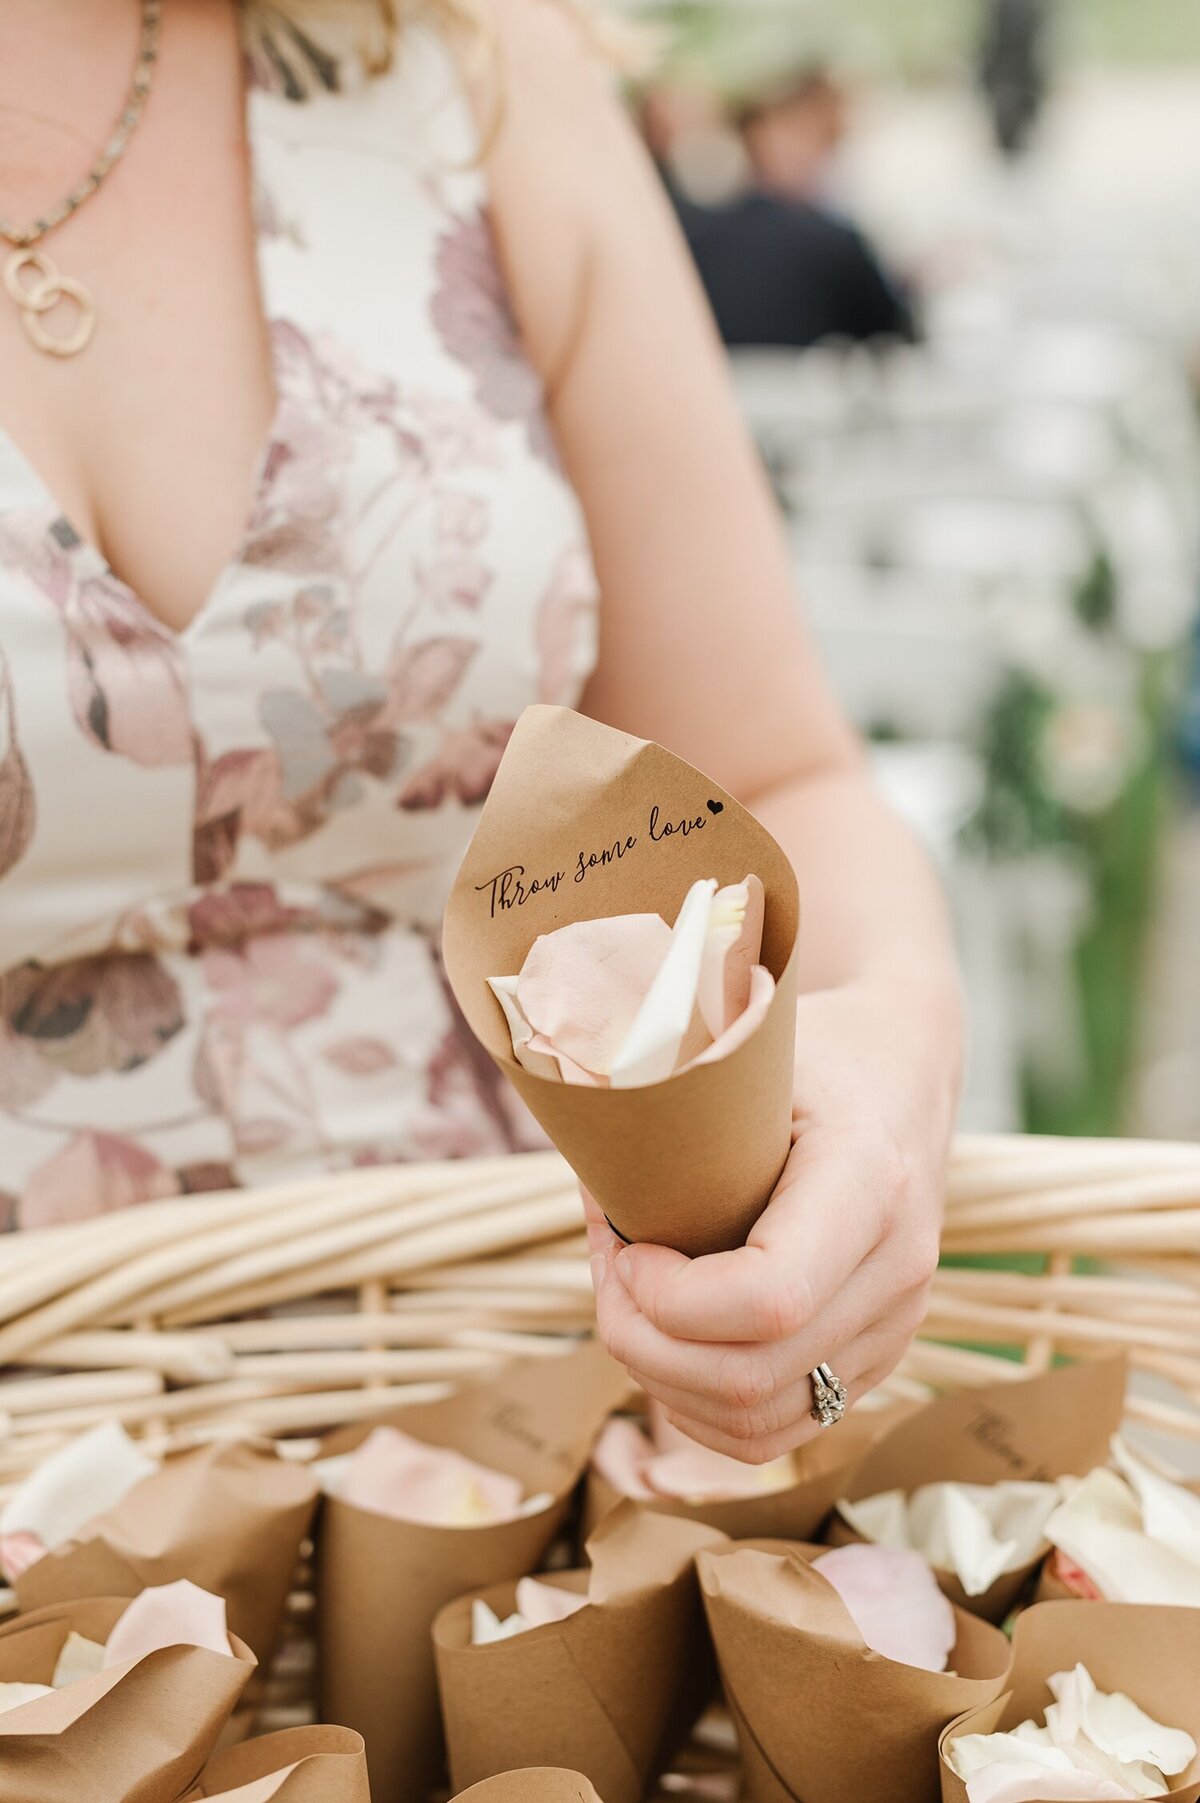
[{"x": 873, "y": 918}]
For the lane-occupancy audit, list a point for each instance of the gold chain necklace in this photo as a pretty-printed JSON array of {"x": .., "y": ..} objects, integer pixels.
[{"x": 31, "y": 277}]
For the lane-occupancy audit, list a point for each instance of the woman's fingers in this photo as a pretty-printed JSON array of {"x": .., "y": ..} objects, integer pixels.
[
  {"x": 782, "y": 1409},
  {"x": 825, "y": 1218},
  {"x": 861, "y": 1367},
  {"x": 747, "y": 1376}
]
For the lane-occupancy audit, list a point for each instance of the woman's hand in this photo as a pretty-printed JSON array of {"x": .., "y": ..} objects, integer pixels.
[{"x": 837, "y": 1269}]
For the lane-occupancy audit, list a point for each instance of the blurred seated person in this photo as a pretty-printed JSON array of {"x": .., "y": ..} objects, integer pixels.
[{"x": 780, "y": 264}]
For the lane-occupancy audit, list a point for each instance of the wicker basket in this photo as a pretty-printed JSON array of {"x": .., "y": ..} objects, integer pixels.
[{"x": 318, "y": 1302}]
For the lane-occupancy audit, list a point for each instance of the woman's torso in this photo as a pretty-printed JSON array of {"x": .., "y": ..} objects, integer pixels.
[{"x": 224, "y": 850}]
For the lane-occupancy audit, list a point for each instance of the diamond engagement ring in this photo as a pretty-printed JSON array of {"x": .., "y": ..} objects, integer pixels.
[{"x": 829, "y": 1396}]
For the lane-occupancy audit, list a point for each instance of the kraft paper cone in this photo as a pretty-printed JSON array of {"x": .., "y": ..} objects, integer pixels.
[
  {"x": 611, "y": 1690},
  {"x": 824, "y": 1469},
  {"x": 536, "y": 1784},
  {"x": 820, "y": 1717},
  {"x": 231, "y": 1518},
  {"x": 1036, "y": 1430},
  {"x": 380, "y": 1582},
  {"x": 1050, "y": 1587},
  {"x": 300, "y": 1765},
  {"x": 689, "y": 1162},
  {"x": 1151, "y": 1653},
  {"x": 135, "y": 1733}
]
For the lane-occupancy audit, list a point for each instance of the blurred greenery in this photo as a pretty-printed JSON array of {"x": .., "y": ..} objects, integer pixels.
[{"x": 740, "y": 43}]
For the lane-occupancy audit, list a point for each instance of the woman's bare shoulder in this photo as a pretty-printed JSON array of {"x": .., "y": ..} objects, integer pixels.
[{"x": 560, "y": 156}]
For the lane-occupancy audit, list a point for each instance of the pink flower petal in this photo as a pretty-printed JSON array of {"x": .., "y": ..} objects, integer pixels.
[
  {"x": 393, "y": 1474},
  {"x": 762, "y": 991},
  {"x": 568, "y": 1071},
  {"x": 684, "y": 1469},
  {"x": 704, "y": 1476},
  {"x": 731, "y": 952},
  {"x": 581, "y": 987},
  {"x": 18, "y": 1552},
  {"x": 179, "y": 1614},
  {"x": 541, "y": 1603},
  {"x": 894, "y": 1601},
  {"x": 620, "y": 1458},
  {"x": 1073, "y": 1577}
]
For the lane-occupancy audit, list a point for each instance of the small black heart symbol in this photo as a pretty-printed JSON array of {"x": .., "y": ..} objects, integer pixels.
[{"x": 716, "y": 807}]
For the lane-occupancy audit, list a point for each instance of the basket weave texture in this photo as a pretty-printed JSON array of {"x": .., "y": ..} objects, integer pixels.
[{"x": 312, "y": 1304}]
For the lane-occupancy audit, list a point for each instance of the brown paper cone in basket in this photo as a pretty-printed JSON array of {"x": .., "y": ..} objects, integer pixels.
[
  {"x": 536, "y": 1784},
  {"x": 824, "y": 1468},
  {"x": 1151, "y": 1653},
  {"x": 1056, "y": 1425},
  {"x": 1050, "y": 1585},
  {"x": 230, "y": 1518},
  {"x": 820, "y": 1717},
  {"x": 133, "y": 1734},
  {"x": 298, "y": 1765},
  {"x": 689, "y": 1162},
  {"x": 611, "y": 1690},
  {"x": 380, "y": 1582}
]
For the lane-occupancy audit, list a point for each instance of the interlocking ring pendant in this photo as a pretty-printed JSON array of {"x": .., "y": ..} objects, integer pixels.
[{"x": 41, "y": 289}]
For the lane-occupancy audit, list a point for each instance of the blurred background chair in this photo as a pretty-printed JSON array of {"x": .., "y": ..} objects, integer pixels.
[{"x": 955, "y": 253}]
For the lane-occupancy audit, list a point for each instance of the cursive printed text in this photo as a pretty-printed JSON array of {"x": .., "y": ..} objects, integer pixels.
[
  {"x": 512, "y": 889},
  {"x": 596, "y": 860},
  {"x": 667, "y": 829}
]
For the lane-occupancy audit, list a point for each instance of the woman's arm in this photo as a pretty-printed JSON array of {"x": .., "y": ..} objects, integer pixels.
[{"x": 702, "y": 648}]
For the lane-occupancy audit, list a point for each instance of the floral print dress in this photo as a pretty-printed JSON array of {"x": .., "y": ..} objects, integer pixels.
[{"x": 224, "y": 852}]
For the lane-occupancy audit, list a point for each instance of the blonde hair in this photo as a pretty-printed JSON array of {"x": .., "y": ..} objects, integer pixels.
[{"x": 306, "y": 46}]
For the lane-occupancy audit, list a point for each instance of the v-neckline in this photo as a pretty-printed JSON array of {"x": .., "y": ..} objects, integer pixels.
[{"x": 83, "y": 549}]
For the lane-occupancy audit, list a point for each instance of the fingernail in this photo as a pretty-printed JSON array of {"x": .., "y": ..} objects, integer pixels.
[
  {"x": 624, "y": 1266},
  {"x": 599, "y": 1272}
]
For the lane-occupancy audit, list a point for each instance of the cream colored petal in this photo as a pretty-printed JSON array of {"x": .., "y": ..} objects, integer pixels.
[
  {"x": 732, "y": 949},
  {"x": 487, "y": 1627},
  {"x": 1114, "y": 1723},
  {"x": 540, "y": 1064},
  {"x": 539, "y": 1603},
  {"x": 87, "y": 1478},
  {"x": 1170, "y": 1513},
  {"x": 79, "y": 1658},
  {"x": 967, "y": 1754},
  {"x": 956, "y": 1535},
  {"x": 1100, "y": 1529},
  {"x": 581, "y": 987},
  {"x": 13, "y": 1695},
  {"x": 882, "y": 1518},
  {"x": 649, "y": 1052},
  {"x": 1028, "y": 1783}
]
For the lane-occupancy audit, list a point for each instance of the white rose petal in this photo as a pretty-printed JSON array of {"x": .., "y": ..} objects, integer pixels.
[
  {"x": 13, "y": 1695},
  {"x": 69, "y": 1489}
]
